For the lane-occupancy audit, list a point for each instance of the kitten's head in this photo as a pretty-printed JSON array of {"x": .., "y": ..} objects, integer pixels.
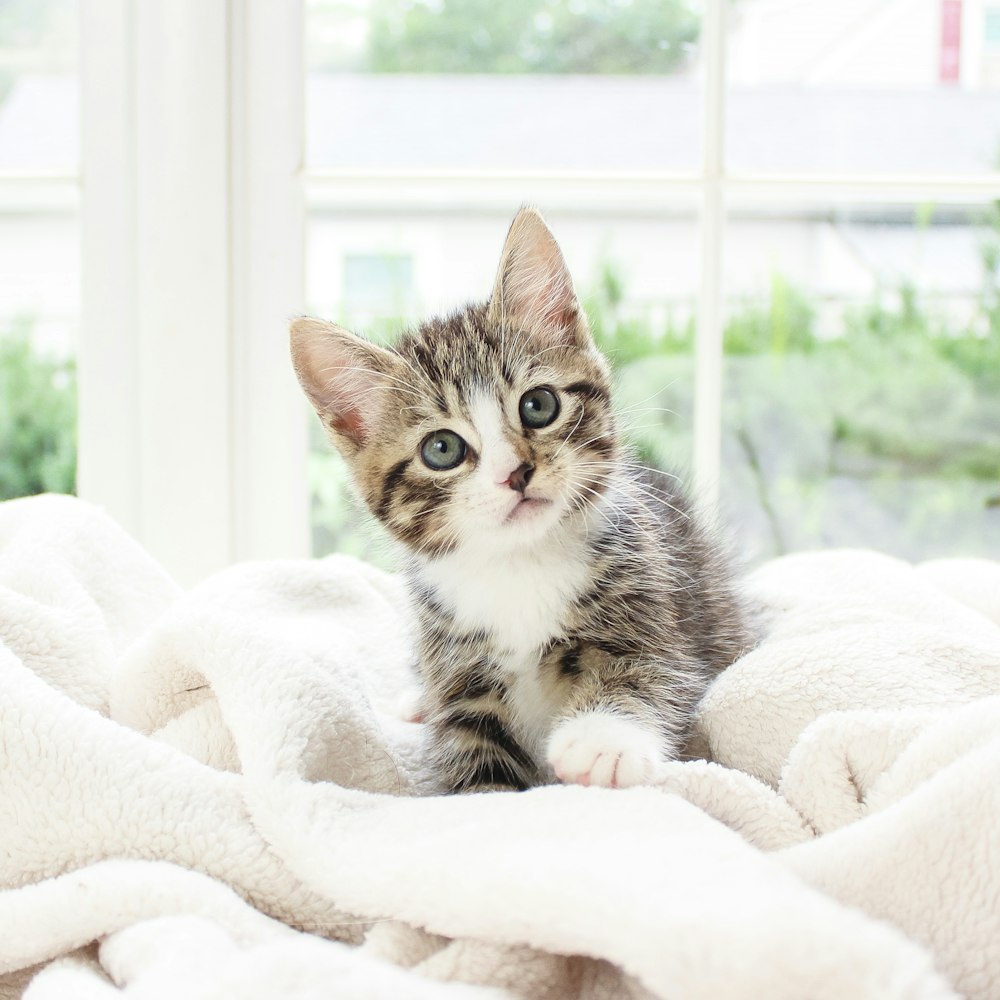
[{"x": 487, "y": 428}]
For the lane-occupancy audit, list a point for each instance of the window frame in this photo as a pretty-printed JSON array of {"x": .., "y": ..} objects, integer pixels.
[
  {"x": 210, "y": 474},
  {"x": 191, "y": 430}
]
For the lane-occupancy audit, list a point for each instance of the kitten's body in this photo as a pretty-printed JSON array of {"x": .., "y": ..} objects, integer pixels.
[
  {"x": 571, "y": 613},
  {"x": 625, "y": 614}
]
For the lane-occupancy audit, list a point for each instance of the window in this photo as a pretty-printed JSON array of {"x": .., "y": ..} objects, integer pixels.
[
  {"x": 378, "y": 282},
  {"x": 428, "y": 125},
  {"x": 859, "y": 387},
  {"x": 39, "y": 240},
  {"x": 782, "y": 217},
  {"x": 860, "y": 400}
]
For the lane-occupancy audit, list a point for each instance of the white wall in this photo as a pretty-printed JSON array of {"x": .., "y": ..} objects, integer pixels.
[
  {"x": 40, "y": 275},
  {"x": 455, "y": 256}
]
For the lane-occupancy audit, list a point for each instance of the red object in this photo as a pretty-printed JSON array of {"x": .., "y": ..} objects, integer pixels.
[{"x": 950, "y": 64}]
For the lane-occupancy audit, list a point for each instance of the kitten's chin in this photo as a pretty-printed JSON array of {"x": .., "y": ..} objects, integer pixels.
[
  {"x": 522, "y": 525},
  {"x": 528, "y": 509},
  {"x": 529, "y": 522}
]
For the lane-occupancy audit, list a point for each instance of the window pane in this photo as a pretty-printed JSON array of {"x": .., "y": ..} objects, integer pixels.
[
  {"x": 374, "y": 281},
  {"x": 862, "y": 395},
  {"x": 430, "y": 124},
  {"x": 528, "y": 84},
  {"x": 859, "y": 86},
  {"x": 38, "y": 85},
  {"x": 39, "y": 240}
]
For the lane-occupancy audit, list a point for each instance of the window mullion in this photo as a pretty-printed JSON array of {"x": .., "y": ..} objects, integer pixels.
[
  {"x": 708, "y": 345},
  {"x": 154, "y": 432},
  {"x": 109, "y": 443},
  {"x": 191, "y": 430},
  {"x": 269, "y": 446}
]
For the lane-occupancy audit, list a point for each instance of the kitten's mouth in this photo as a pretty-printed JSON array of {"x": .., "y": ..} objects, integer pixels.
[{"x": 527, "y": 507}]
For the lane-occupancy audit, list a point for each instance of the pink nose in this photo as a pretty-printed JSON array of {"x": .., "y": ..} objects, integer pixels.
[{"x": 520, "y": 477}]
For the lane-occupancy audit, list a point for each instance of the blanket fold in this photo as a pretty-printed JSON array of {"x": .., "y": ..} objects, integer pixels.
[{"x": 210, "y": 794}]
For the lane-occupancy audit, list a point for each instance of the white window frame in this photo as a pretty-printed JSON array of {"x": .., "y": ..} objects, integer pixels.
[{"x": 192, "y": 432}]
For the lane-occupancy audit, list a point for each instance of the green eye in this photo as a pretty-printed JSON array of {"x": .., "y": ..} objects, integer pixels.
[
  {"x": 442, "y": 450},
  {"x": 539, "y": 407}
]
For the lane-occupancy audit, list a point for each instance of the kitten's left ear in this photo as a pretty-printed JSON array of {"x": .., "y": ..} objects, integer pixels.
[
  {"x": 534, "y": 289},
  {"x": 347, "y": 379}
]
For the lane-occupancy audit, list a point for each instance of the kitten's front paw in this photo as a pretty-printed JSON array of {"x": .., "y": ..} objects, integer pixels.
[
  {"x": 410, "y": 705},
  {"x": 599, "y": 748}
]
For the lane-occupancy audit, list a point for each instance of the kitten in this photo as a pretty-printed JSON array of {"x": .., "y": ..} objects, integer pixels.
[{"x": 571, "y": 612}]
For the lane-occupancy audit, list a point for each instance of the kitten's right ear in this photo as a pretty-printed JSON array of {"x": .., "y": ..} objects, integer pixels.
[
  {"x": 346, "y": 378},
  {"x": 533, "y": 287}
]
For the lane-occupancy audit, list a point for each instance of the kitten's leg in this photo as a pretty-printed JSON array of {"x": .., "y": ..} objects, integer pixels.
[
  {"x": 621, "y": 720},
  {"x": 475, "y": 747}
]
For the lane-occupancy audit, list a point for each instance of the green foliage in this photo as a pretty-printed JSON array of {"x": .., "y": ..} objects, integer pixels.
[
  {"x": 340, "y": 522},
  {"x": 530, "y": 36},
  {"x": 785, "y": 322},
  {"x": 984, "y": 358},
  {"x": 37, "y": 418},
  {"x": 625, "y": 338},
  {"x": 931, "y": 403},
  {"x": 885, "y": 434}
]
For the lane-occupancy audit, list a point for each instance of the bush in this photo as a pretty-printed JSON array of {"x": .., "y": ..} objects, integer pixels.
[
  {"x": 783, "y": 323},
  {"x": 37, "y": 418}
]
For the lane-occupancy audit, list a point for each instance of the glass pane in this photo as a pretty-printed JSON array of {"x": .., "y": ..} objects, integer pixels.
[
  {"x": 39, "y": 90},
  {"x": 528, "y": 84},
  {"x": 431, "y": 123},
  {"x": 861, "y": 85},
  {"x": 862, "y": 394},
  {"x": 39, "y": 241}
]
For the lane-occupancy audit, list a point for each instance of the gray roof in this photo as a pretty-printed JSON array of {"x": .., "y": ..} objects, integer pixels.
[
  {"x": 640, "y": 123},
  {"x": 356, "y": 122}
]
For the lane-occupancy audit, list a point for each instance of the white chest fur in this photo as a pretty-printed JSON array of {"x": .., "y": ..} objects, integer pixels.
[{"x": 520, "y": 598}]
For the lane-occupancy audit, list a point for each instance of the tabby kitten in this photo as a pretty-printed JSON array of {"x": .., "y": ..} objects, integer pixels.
[{"x": 571, "y": 613}]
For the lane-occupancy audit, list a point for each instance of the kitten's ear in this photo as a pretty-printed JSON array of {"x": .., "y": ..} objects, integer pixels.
[
  {"x": 533, "y": 287},
  {"x": 346, "y": 378}
]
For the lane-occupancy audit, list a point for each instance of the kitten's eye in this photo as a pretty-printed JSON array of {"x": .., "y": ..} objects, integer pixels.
[
  {"x": 539, "y": 407},
  {"x": 442, "y": 450}
]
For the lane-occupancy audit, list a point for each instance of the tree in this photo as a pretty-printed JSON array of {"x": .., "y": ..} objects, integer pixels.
[{"x": 530, "y": 36}]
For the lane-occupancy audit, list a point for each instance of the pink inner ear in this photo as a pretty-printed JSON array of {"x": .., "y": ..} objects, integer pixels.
[
  {"x": 551, "y": 309},
  {"x": 341, "y": 375},
  {"x": 351, "y": 397},
  {"x": 565, "y": 318},
  {"x": 534, "y": 286},
  {"x": 350, "y": 424}
]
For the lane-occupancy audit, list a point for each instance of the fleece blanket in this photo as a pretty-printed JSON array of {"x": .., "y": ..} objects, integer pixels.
[{"x": 210, "y": 794}]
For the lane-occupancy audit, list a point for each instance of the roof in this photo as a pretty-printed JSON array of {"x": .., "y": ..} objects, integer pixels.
[
  {"x": 358, "y": 122},
  {"x": 640, "y": 123}
]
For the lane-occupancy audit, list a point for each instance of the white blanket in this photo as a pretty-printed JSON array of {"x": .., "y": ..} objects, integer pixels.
[{"x": 209, "y": 795}]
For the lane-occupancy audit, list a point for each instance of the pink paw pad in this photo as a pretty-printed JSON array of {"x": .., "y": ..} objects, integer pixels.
[{"x": 602, "y": 749}]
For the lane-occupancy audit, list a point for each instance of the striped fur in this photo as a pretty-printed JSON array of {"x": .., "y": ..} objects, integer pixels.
[{"x": 569, "y": 626}]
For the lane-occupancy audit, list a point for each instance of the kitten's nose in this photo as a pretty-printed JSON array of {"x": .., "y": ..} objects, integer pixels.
[{"x": 520, "y": 477}]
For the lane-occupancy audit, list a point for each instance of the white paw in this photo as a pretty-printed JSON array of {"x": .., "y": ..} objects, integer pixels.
[
  {"x": 409, "y": 705},
  {"x": 603, "y": 749}
]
